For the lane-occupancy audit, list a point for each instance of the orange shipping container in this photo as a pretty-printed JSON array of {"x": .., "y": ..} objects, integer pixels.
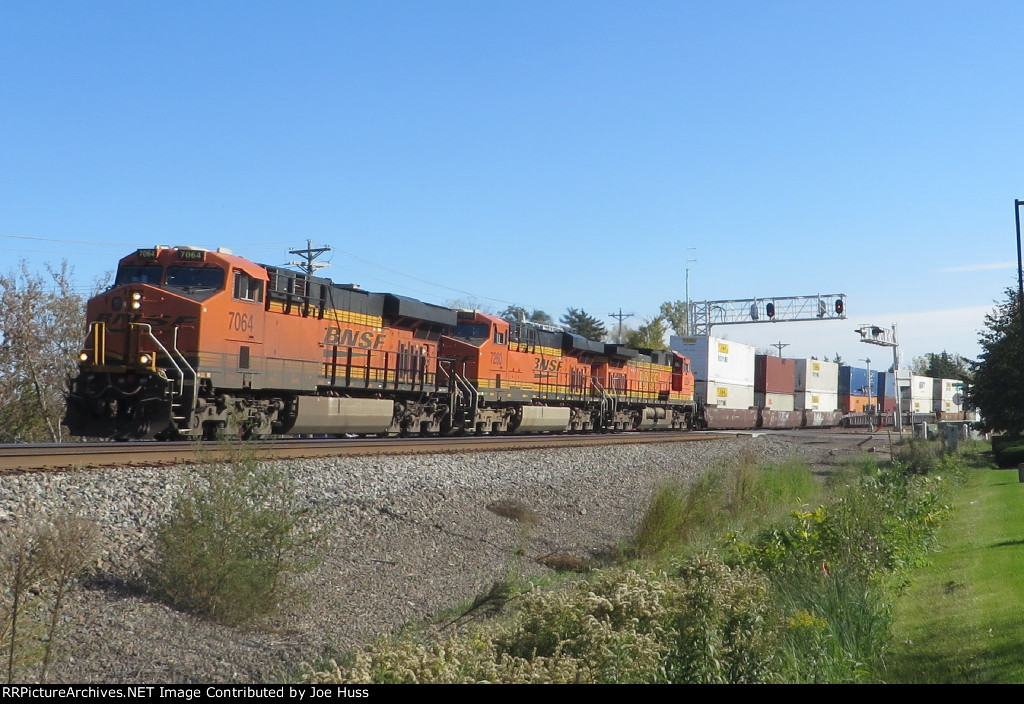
[{"x": 853, "y": 404}]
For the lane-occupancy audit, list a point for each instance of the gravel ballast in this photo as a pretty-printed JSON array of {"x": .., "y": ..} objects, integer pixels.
[{"x": 410, "y": 536}]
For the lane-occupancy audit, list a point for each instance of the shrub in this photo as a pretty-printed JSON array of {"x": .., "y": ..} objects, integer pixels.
[
  {"x": 234, "y": 541},
  {"x": 1008, "y": 450},
  {"x": 39, "y": 563},
  {"x": 705, "y": 623},
  {"x": 726, "y": 628},
  {"x": 918, "y": 456}
]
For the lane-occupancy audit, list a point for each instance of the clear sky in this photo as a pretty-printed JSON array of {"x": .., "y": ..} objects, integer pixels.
[{"x": 548, "y": 154}]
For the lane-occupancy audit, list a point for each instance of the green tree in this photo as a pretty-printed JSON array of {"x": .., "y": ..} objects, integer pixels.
[
  {"x": 998, "y": 388},
  {"x": 676, "y": 314},
  {"x": 581, "y": 323},
  {"x": 539, "y": 316},
  {"x": 42, "y": 324},
  {"x": 649, "y": 336},
  {"x": 514, "y": 314},
  {"x": 945, "y": 365}
]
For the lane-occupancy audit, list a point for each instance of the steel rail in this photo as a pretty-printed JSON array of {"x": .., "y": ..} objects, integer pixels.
[{"x": 49, "y": 456}]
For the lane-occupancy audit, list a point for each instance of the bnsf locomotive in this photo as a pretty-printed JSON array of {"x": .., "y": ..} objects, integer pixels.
[{"x": 193, "y": 343}]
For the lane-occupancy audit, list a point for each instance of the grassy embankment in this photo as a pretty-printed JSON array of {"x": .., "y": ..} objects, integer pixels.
[
  {"x": 962, "y": 618},
  {"x": 718, "y": 585}
]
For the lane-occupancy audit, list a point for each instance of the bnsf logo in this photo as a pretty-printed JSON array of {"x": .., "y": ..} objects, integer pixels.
[{"x": 351, "y": 338}]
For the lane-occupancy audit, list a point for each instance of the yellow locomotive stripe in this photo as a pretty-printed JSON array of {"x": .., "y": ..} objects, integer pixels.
[
  {"x": 535, "y": 349},
  {"x": 332, "y": 314}
]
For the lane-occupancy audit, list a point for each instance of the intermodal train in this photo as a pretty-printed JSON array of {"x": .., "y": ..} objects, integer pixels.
[{"x": 197, "y": 343}]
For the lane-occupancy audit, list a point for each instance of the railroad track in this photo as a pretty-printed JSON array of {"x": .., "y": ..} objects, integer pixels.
[{"x": 67, "y": 456}]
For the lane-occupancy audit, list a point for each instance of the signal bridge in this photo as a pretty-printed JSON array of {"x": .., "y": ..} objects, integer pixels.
[{"x": 705, "y": 314}]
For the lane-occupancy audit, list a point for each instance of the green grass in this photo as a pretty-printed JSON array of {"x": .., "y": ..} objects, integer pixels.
[
  {"x": 687, "y": 517},
  {"x": 961, "y": 620}
]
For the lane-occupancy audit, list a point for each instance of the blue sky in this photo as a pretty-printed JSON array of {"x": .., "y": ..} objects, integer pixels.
[{"x": 546, "y": 154}]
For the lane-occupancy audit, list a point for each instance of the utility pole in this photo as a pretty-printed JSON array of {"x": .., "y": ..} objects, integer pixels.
[
  {"x": 309, "y": 254},
  {"x": 689, "y": 324},
  {"x": 620, "y": 316},
  {"x": 779, "y": 345}
]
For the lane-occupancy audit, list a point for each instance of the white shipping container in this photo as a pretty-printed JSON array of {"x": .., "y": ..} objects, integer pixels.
[
  {"x": 819, "y": 376},
  {"x": 918, "y": 388},
  {"x": 916, "y": 405},
  {"x": 725, "y": 395},
  {"x": 949, "y": 396},
  {"x": 816, "y": 400},
  {"x": 779, "y": 402},
  {"x": 942, "y": 406},
  {"x": 717, "y": 359},
  {"x": 947, "y": 389}
]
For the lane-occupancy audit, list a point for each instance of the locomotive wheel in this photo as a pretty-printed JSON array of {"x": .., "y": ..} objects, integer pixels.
[{"x": 215, "y": 431}]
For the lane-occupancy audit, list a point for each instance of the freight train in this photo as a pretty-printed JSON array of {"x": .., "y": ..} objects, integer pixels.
[{"x": 197, "y": 343}]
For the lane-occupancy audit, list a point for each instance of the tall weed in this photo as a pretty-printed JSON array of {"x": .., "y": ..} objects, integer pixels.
[
  {"x": 688, "y": 516},
  {"x": 679, "y": 514}
]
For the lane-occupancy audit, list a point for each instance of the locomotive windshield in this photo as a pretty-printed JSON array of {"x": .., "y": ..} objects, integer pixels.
[
  {"x": 138, "y": 275},
  {"x": 471, "y": 330},
  {"x": 194, "y": 277}
]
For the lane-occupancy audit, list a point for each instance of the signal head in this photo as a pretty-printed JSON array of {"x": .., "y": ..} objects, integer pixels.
[
  {"x": 770, "y": 310},
  {"x": 839, "y": 306}
]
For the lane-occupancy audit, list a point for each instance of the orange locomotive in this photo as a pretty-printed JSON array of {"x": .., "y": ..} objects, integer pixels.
[
  {"x": 195, "y": 343},
  {"x": 535, "y": 378}
]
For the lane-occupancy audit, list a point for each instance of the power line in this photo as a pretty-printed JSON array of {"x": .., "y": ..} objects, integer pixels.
[{"x": 64, "y": 241}]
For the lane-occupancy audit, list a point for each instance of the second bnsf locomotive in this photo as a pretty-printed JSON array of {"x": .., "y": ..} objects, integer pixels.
[{"x": 194, "y": 343}]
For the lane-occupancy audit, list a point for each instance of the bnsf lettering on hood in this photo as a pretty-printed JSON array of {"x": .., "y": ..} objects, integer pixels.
[{"x": 351, "y": 338}]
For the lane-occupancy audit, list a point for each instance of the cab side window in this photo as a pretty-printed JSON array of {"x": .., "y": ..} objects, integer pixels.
[{"x": 248, "y": 288}]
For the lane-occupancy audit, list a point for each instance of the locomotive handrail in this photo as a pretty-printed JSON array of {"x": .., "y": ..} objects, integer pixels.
[
  {"x": 149, "y": 332},
  {"x": 469, "y": 388},
  {"x": 606, "y": 399},
  {"x": 453, "y": 384},
  {"x": 181, "y": 375},
  {"x": 195, "y": 375}
]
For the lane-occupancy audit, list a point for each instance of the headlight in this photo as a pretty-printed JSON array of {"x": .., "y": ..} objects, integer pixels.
[
  {"x": 83, "y": 356},
  {"x": 145, "y": 359},
  {"x": 136, "y": 300}
]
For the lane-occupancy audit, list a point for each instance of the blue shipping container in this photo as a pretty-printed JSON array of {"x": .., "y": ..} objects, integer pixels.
[{"x": 853, "y": 381}]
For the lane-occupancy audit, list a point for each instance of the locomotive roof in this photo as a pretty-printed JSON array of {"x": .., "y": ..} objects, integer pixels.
[{"x": 402, "y": 306}]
